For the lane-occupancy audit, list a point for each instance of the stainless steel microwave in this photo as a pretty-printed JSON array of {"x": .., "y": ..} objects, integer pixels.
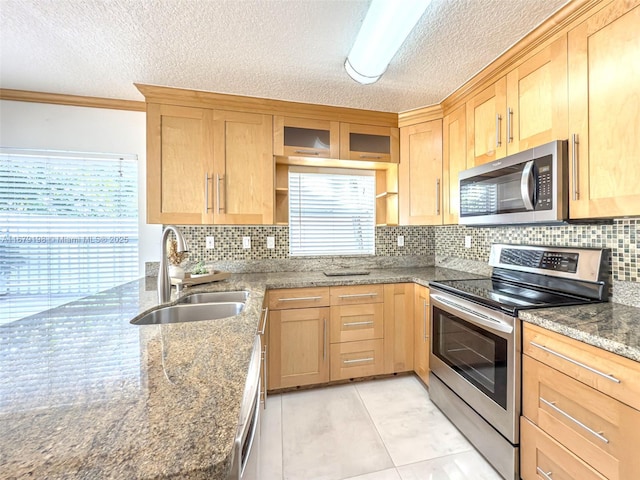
[{"x": 528, "y": 187}]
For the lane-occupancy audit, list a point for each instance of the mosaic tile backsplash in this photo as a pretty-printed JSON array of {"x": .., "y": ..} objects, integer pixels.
[{"x": 622, "y": 237}]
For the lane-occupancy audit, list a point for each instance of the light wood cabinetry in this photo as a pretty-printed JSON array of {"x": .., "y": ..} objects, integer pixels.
[
  {"x": 244, "y": 168},
  {"x": 420, "y": 174},
  {"x": 486, "y": 124},
  {"x": 585, "y": 400},
  {"x": 604, "y": 113},
  {"x": 179, "y": 164},
  {"x": 207, "y": 166},
  {"x": 454, "y": 161},
  {"x": 356, "y": 359},
  {"x": 303, "y": 137},
  {"x": 422, "y": 329},
  {"x": 398, "y": 327},
  {"x": 298, "y": 337},
  {"x": 369, "y": 143}
]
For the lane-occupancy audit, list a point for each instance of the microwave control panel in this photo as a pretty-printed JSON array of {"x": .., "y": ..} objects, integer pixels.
[{"x": 544, "y": 183}]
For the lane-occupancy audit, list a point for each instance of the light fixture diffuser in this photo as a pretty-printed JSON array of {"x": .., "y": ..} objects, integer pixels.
[{"x": 384, "y": 30}]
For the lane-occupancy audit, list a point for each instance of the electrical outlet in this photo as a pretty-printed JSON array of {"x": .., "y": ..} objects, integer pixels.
[
  {"x": 271, "y": 242},
  {"x": 401, "y": 240},
  {"x": 210, "y": 243},
  {"x": 246, "y": 242},
  {"x": 467, "y": 241}
]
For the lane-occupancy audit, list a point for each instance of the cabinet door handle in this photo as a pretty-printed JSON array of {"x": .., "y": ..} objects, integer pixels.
[
  {"x": 424, "y": 320},
  {"x": 574, "y": 163},
  {"x": 358, "y": 360},
  {"x": 598, "y": 435},
  {"x": 218, "y": 180},
  {"x": 371, "y": 157},
  {"x": 437, "y": 196},
  {"x": 498, "y": 122},
  {"x": 264, "y": 374},
  {"x": 264, "y": 321},
  {"x": 353, "y": 324},
  {"x": 307, "y": 152},
  {"x": 324, "y": 339},
  {"x": 206, "y": 192},
  {"x": 546, "y": 475},
  {"x": 298, "y": 299},
  {"x": 575, "y": 362},
  {"x": 509, "y": 121},
  {"x": 356, "y": 295}
]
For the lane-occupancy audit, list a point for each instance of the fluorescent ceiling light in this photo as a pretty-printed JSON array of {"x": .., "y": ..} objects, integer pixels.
[{"x": 384, "y": 30}]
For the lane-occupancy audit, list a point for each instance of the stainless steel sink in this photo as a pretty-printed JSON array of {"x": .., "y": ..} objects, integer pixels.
[
  {"x": 216, "y": 297},
  {"x": 191, "y": 313}
]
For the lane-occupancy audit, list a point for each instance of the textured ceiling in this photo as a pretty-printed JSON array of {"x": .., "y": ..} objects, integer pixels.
[{"x": 282, "y": 49}]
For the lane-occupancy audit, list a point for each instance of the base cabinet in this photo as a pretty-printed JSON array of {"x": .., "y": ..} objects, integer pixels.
[{"x": 422, "y": 329}]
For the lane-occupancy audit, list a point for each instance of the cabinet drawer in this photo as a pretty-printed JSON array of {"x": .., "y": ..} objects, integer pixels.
[
  {"x": 356, "y": 294},
  {"x": 298, "y": 298},
  {"x": 599, "y": 429},
  {"x": 356, "y": 359},
  {"x": 350, "y": 323},
  {"x": 612, "y": 374},
  {"x": 540, "y": 453}
]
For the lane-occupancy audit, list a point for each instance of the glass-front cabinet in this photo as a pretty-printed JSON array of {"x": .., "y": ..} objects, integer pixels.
[
  {"x": 369, "y": 143},
  {"x": 303, "y": 137}
]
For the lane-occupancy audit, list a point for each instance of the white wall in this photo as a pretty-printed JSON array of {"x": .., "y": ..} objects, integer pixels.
[{"x": 61, "y": 127}]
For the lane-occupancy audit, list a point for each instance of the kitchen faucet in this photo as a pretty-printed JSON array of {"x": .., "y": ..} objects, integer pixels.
[{"x": 164, "y": 284}]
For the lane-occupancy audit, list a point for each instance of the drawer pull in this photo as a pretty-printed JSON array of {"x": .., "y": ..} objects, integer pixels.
[
  {"x": 298, "y": 299},
  {"x": 577, "y": 422},
  {"x": 546, "y": 475},
  {"x": 575, "y": 362},
  {"x": 353, "y": 324},
  {"x": 356, "y": 295},
  {"x": 358, "y": 360}
]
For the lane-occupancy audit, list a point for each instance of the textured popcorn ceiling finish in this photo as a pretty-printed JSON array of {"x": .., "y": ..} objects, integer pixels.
[{"x": 289, "y": 50}]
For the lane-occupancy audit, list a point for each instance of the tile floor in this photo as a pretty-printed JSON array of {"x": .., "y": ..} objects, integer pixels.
[{"x": 377, "y": 430}]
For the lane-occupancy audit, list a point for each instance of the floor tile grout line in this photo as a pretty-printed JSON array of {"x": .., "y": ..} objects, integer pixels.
[{"x": 374, "y": 425}]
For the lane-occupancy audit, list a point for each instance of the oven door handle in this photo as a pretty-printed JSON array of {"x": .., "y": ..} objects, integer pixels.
[
  {"x": 527, "y": 185},
  {"x": 472, "y": 316}
]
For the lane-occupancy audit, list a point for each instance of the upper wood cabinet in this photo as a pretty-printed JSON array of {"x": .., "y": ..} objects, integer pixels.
[
  {"x": 207, "y": 166},
  {"x": 604, "y": 113},
  {"x": 368, "y": 142},
  {"x": 179, "y": 162},
  {"x": 420, "y": 174},
  {"x": 486, "y": 124},
  {"x": 244, "y": 168},
  {"x": 525, "y": 108},
  {"x": 304, "y": 137},
  {"x": 454, "y": 161},
  {"x": 537, "y": 105}
]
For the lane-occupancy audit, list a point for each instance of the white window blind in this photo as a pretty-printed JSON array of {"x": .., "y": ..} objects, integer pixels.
[
  {"x": 331, "y": 212},
  {"x": 68, "y": 227}
]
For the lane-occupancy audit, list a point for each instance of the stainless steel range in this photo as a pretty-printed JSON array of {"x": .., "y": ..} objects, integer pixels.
[{"x": 476, "y": 337}]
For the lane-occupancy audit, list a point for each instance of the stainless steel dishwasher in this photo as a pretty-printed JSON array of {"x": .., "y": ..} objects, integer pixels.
[{"x": 246, "y": 449}]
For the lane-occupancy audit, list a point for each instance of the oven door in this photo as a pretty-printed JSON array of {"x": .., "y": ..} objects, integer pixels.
[{"x": 475, "y": 351}]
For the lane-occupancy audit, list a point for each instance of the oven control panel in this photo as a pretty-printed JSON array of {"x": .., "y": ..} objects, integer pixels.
[{"x": 546, "y": 260}]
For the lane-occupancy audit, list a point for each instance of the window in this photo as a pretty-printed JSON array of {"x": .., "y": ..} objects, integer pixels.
[
  {"x": 68, "y": 227},
  {"x": 331, "y": 212}
]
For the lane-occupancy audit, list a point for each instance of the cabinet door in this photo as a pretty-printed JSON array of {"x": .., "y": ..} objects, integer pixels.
[
  {"x": 604, "y": 113},
  {"x": 298, "y": 347},
  {"x": 369, "y": 142},
  {"x": 303, "y": 137},
  {"x": 179, "y": 164},
  {"x": 422, "y": 327},
  {"x": 243, "y": 183},
  {"x": 454, "y": 161},
  {"x": 420, "y": 174},
  {"x": 537, "y": 104},
  {"x": 398, "y": 327},
  {"x": 486, "y": 124}
]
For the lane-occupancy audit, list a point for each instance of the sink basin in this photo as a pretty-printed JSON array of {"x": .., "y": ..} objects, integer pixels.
[
  {"x": 215, "y": 297},
  {"x": 191, "y": 313}
]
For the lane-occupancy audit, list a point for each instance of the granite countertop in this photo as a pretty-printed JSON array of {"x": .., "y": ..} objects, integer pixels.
[{"x": 86, "y": 394}]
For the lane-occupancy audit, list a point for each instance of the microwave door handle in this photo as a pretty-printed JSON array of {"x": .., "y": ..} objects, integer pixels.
[{"x": 527, "y": 185}]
